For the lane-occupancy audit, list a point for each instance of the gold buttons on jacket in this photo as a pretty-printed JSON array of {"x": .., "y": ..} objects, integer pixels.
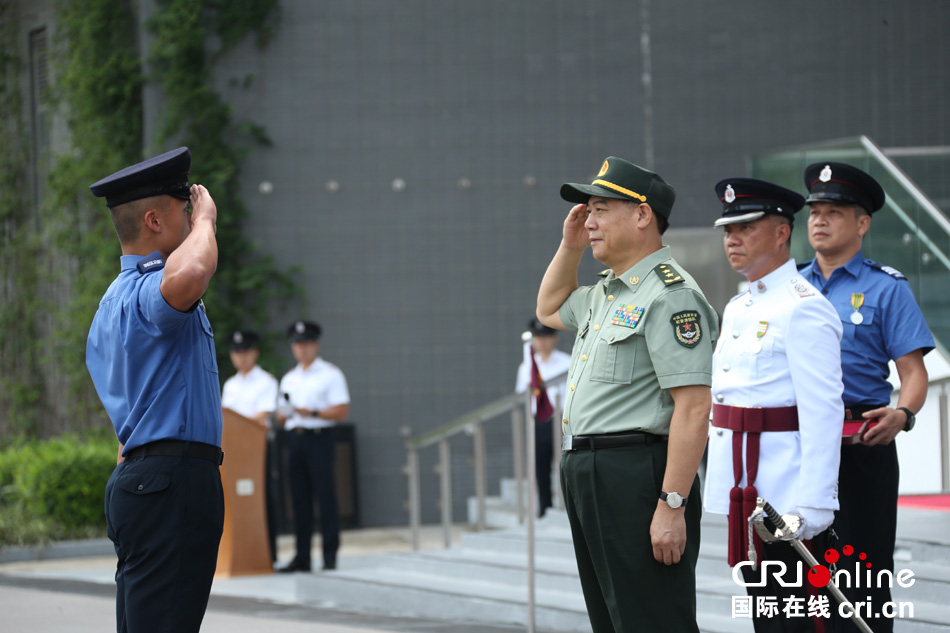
[
  {"x": 610, "y": 297},
  {"x": 572, "y": 387},
  {"x": 597, "y": 326},
  {"x": 584, "y": 357}
]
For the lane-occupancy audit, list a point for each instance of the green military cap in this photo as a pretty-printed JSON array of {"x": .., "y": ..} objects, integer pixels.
[{"x": 625, "y": 181}]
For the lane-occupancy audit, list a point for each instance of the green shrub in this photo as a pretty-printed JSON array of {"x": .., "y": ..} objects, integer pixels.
[{"x": 55, "y": 489}]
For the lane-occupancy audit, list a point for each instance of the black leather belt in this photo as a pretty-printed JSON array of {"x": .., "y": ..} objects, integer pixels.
[
  {"x": 614, "y": 440},
  {"x": 178, "y": 448},
  {"x": 856, "y": 411},
  {"x": 302, "y": 430}
]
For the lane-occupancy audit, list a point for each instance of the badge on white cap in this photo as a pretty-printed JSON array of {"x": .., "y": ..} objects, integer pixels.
[
  {"x": 300, "y": 327},
  {"x": 825, "y": 174},
  {"x": 730, "y": 196}
]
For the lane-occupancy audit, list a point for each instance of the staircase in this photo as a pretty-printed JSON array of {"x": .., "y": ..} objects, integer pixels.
[{"x": 483, "y": 578}]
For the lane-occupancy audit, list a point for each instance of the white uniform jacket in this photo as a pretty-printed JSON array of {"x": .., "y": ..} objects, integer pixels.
[{"x": 780, "y": 346}]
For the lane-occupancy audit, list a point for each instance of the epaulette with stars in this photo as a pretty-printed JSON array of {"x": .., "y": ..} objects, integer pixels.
[{"x": 668, "y": 274}]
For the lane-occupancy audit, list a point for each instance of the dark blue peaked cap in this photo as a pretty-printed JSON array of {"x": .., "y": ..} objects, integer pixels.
[
  {"x": 748, "y": 199},
  {"x": 839, "y": 182},
  {"x": 162, "y": 175}
]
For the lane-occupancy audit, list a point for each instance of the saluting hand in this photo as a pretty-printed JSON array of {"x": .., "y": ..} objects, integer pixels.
[
  {"x": 575, "y": 233},
  {"x": 203, "y": 207},
  {"x": 668, "y": 534}
]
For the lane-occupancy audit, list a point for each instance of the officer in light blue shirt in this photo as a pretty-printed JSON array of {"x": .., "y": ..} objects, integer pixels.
[
  {"x": 881, "y": 322},
  {"x": 150, "y": 354}
]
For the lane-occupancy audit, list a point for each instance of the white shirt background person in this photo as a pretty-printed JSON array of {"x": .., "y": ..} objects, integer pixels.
[
  {"x": 555, "y": 364},
  {"x": 320, "y": 386},
  {"x": 252, "y": 392}
]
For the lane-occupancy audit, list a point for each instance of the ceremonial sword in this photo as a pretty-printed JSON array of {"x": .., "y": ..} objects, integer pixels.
[{"x": 789, "y": 533}]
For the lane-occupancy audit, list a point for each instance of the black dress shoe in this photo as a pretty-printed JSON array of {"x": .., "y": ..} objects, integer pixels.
[
  {"x": 329, "y": 566},
  {"x": 293, "y": 566}
]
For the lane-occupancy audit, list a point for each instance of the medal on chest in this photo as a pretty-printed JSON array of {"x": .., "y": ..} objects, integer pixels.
[
  {"x": 756, "y": 345},
  {"x": 857, "y": 300}
]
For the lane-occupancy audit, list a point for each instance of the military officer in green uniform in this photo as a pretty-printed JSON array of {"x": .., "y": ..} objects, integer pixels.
[{"x": 636, "y": 412}]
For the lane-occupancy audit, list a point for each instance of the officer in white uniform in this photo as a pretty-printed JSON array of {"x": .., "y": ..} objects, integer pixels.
[
  {"x": 313, "y": 398},
  {"x": 251, "y": 392},
  {"x": 551, "y": 362},
  {"x": 777, "y": 408}
]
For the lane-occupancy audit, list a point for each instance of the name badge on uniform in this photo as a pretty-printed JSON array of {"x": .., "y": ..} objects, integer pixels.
[
  {"x": 627, "y": 316},
  {"x": 857, "y": 300}
]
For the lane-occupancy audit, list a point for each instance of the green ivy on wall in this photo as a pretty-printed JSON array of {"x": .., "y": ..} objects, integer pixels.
[
  {"x": 98, "y": 82},
  {"x": 182, "y": 58},
  {"x": 20, "y": 381}
]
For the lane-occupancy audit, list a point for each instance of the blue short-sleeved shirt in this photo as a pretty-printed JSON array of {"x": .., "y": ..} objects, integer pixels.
[
  {"x": 891, "y": 324},
  {"x": 154, "y": 367}
]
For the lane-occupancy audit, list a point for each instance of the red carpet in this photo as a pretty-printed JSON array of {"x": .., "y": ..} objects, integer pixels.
[{"x": 940, "y": 503}]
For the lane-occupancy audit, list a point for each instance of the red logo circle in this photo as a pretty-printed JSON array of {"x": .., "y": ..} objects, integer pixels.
[{"x": 819, "y": 576}]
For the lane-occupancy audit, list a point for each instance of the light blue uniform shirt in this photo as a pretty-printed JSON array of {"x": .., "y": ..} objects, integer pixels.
[
  {"x": 891, "y": 324},
  {"x": 154, "y": 367}
]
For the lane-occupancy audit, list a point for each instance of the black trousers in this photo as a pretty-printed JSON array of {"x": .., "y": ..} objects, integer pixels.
[
  {"x": 611, "y": 496},
  {"x": 544, "y": 453},
  {"x": 165, "y": 516},
  {"x": 310, "y": 458},
  {"x": 774, "y": 592},
  {"x": 867, "y": 491}
]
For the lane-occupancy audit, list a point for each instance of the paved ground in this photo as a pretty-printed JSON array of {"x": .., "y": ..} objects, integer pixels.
[{"x": 77, "y": 595}]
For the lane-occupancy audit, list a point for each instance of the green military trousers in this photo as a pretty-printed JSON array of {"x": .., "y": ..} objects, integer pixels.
[{"x": 610, "y": 496}]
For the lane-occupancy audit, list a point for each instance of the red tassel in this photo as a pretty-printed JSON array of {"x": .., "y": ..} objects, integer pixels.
[
  {"x": 749, "y": 497},
  {"x": 737, "y": 527}
]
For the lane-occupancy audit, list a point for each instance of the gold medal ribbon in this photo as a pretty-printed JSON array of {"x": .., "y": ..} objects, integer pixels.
[{"x": 857, "y": 300}]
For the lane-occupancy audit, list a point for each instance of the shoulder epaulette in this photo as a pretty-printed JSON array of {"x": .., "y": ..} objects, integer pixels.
[
  {"x": 150, "y": 263},
  {"x": 604, "y": 273},
  {"x": 668, "y": 274},
  {"x": 893, "y": 272}
]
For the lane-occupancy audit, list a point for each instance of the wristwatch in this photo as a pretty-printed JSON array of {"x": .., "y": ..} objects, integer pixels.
[
  {"x": 673, "y": 499},
  {"x": 911, "y": 418}
]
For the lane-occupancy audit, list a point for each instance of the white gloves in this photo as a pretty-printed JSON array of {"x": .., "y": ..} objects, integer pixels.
[{"x": 816, "y": 520}]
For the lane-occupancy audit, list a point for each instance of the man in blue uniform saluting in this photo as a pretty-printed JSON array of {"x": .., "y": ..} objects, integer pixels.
[
  {"x": 151, "y": 356},
  {"x": 882, "y": 322}
]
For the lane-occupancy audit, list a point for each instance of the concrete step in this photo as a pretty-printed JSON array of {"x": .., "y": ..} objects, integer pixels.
[{"x": 484, "y": 578}]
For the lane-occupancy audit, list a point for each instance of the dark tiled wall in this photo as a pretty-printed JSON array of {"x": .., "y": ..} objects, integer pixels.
[{"x": 483, "y": 109}]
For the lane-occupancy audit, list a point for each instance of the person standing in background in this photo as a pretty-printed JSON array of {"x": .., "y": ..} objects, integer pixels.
[
  {"x": 313, "y": 398},
  {"x": 252, "y": 392},
  {"x": 541, "y": 353}
]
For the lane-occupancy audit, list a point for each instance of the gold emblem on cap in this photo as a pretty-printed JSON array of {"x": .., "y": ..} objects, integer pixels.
[
  {"x": 603, "y": 170},
  {"x": 730, "y": 196},
  {"x": 825, "y": 174}
]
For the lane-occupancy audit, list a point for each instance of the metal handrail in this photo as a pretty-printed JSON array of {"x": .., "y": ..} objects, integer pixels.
[{"x": 518, "y": 404}]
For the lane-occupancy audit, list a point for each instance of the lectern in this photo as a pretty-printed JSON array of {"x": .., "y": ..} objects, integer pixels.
[{"x": 244, "y": 550}]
